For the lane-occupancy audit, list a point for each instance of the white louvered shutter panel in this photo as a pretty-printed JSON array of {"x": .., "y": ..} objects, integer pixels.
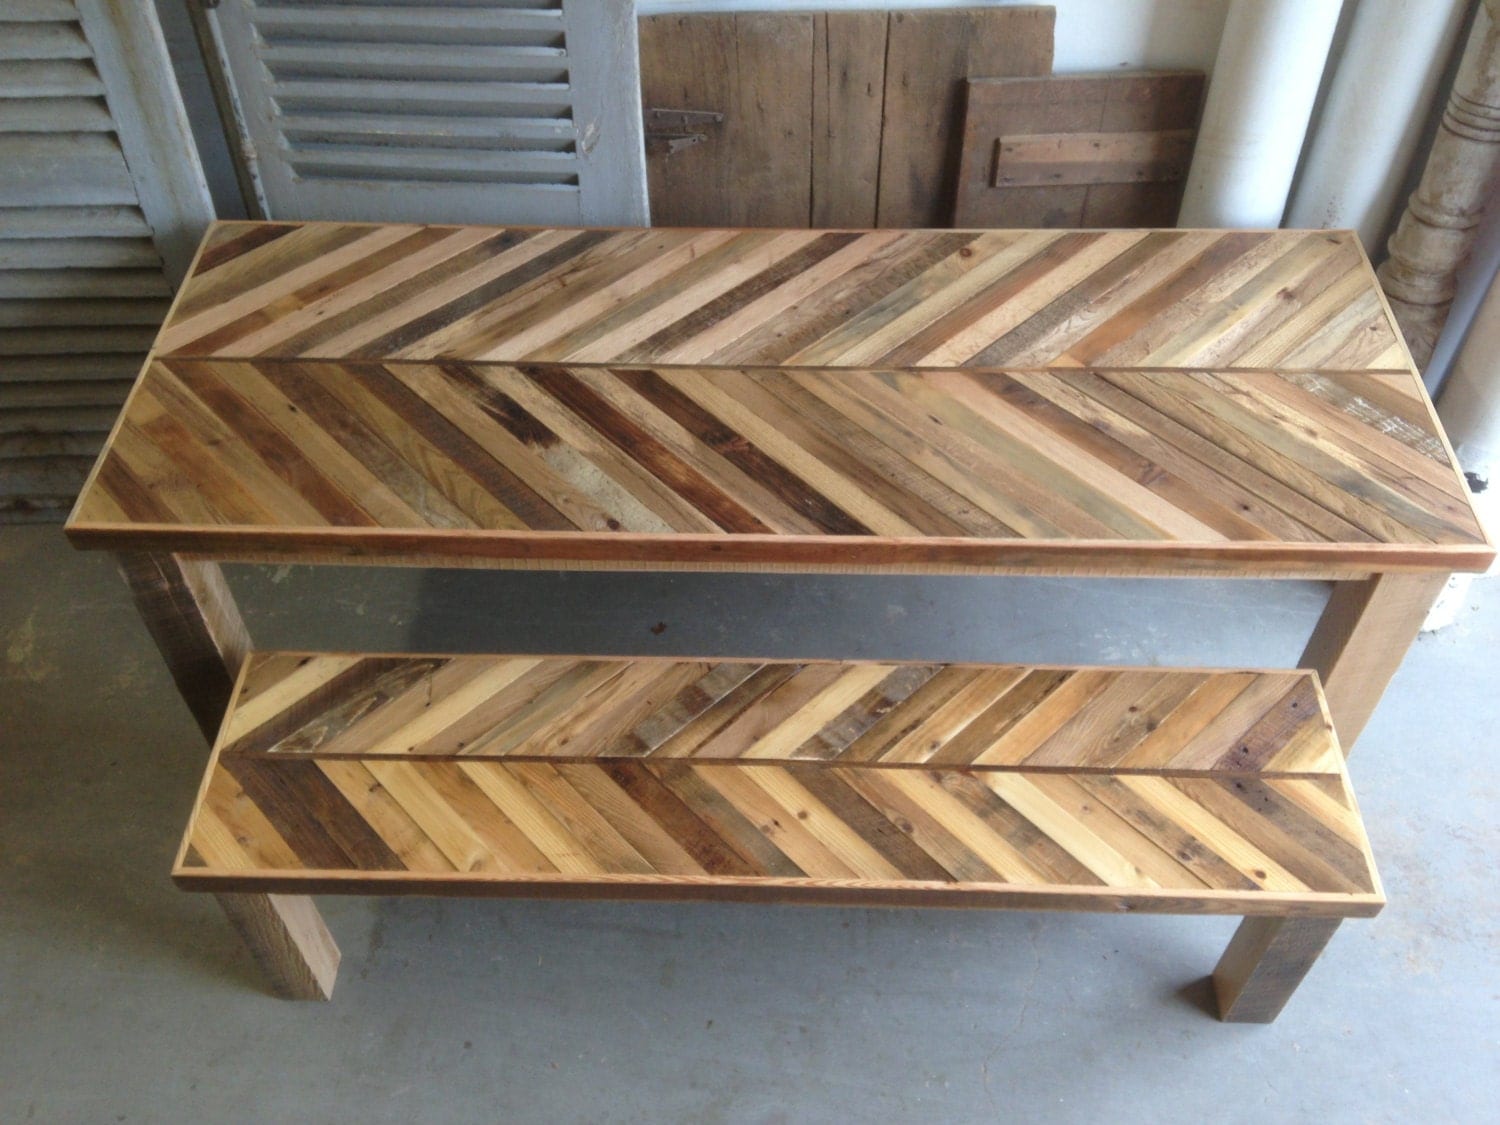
[
  {"x": 483, "y": 111},
  {"x": 101, "y": 199}
]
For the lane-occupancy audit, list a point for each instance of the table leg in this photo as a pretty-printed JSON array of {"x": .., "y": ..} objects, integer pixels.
[
  {"x": 190, "y": 613},
  {"x": 189, "y": 610},
  {"x": 1265, "y": 962},
  {"x": 1361, "y": 638},
  {"x": 289, "y": 941}
]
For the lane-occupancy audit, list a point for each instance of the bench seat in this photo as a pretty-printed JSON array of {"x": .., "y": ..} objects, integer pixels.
[{"x": 1103, "y": 789}]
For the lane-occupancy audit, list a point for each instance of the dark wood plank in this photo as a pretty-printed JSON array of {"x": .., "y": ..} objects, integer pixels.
[
  {"x": 755, "y": 169},
  {"x": 1108, "y": 150},
  {"x": 929, "y": 55}
]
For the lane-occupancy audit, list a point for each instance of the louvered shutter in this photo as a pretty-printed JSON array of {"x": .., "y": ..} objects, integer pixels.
[
  {"x": 101, "y": 200},
  {"x": 482, "y": 111}
]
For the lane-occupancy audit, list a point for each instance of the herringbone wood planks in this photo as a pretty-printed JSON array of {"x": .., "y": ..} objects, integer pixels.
[
  {"x": 989, "y": 785},
  {"x": 1303, "y": 300},
  {"x": 764, "y": 465},
  {"x": 943, "y": 401}
]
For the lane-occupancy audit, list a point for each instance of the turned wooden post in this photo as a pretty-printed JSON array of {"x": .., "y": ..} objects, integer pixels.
[{"x": 1437, "y": 229}]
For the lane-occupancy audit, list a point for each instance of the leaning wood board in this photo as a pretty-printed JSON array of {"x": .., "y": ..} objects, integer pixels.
[
  {"x": 917, "y": 784},
  {"x": 1109, "y": 150},
  {"x": 830, "y": 118},
  {"x": 1097, "y": 402}
]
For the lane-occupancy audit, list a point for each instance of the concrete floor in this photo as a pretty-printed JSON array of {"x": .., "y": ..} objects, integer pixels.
[{"x": 122, "y": 999}]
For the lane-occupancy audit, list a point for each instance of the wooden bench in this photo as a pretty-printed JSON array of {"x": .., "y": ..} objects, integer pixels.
[
  {"x": 1107, "y": 789},
  {"x": 1106, "y": 404}
]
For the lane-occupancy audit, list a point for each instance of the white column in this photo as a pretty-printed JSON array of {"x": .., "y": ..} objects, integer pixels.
[
  {"x": 1381, "y": 92},
  {"x": 1260, "y": 96}
]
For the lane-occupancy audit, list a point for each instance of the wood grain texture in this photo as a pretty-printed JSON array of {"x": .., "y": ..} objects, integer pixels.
[
  {"x": 929, "y": 56},
  {"x": 1361, "y": 639},
  {"x": 848, "y": 105},
  {"x": 1130, "y": 788},
  {"x": 755, "y": 465},
  {"x": 289, "y": 941},
  {"x": 861, "y": 712},
  {"x": 1100, "y": 402},
  {"x": 818, "y": 130},
  {"x": 1265, "y": 961},
  {"x": 99, "y": 211},
  {"x": 755, "y": 168},
  {"x": 1077, "y": 150},
  {"x": 191, "y": 615},
  {"x": 1259, "y": 300}
]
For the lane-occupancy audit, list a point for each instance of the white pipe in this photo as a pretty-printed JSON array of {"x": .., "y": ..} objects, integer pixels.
[
  {"x": 1379, "y": 99},
  {"x": 1261, "y": 95}
]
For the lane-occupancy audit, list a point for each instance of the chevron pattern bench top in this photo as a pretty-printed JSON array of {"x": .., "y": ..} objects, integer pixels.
[
  {"x": 920, "y": 784},
  {"x": 1102, "y": 402}
]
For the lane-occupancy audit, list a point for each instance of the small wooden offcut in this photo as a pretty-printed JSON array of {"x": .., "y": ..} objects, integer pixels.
[
  {"x": 858, "y": 783},
  {"x": 1102, "y": 150}
]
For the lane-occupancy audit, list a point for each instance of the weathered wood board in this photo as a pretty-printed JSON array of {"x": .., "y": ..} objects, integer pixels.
[
  {"x": 848, "y": 102},
  {"x": 831, "y": 119},
  {"x": 1109, "y": 150},
  {"x": 929, "y": 55},
  {"x": 756, "y": 69}
]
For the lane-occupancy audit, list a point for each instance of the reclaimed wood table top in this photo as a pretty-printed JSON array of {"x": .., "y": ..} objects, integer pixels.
[
  {"x": 919, "y": 784},
  {"x": 943, "y": 401}
]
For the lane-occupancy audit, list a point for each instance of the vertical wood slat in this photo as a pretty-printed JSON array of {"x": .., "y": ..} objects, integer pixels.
[
  {"x": 928, "y": 57},
  {"x": 848, "y": 101},
  {"x": 755, "y": 168},
  {"x": 130, "y": 52},
  {"x": 192, "y": 616}
]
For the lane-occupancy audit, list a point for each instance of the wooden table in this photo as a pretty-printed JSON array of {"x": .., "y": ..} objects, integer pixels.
[{"x": 1120, "y": 403}]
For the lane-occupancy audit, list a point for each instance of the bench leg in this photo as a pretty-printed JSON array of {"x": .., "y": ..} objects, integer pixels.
[
  {"x": 288, "y": 940},
  {"x": 1265, "y": 962},
  {"x": 190, "y": 612},
  {"x": 1361, "y": 639}
]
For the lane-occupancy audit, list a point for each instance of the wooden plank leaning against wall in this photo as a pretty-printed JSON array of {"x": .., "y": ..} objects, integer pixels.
[
  {"x": 831, "y": 119},
  {"x": 1078, "y": 150}
]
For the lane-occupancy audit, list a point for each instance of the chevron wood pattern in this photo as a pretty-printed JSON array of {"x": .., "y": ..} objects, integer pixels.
[
  {"x": 333, "y": 704},
  {"x": 771, "y": 466},
  {"x": 938, "y": 784},
  {"x": 1012, "y": 298}
]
